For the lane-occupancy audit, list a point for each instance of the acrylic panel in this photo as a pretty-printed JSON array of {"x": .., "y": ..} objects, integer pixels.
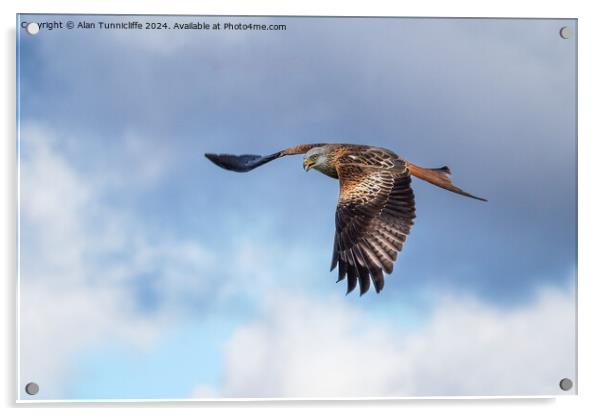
[{"x": 185, "y": 184}]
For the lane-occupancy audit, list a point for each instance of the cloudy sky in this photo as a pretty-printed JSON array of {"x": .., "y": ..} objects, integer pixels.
[{"x": 148, "y": 273}]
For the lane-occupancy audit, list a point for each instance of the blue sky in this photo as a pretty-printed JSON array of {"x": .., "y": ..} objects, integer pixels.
[{"x": 119, "y": 206}]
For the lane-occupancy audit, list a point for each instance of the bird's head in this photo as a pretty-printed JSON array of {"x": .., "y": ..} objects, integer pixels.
[{"x": 316, "y": 157}]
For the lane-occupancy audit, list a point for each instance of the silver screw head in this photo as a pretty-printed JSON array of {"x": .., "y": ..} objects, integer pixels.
[
  {"x": 32, "y": 28},
  {"x": 565, "y": 32},
  {"x": 566, "y": 384},
  {"x": 32, "y": 389}
]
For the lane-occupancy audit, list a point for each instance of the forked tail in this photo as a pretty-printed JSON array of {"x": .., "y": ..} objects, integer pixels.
[{"x": 438, "y": 177}]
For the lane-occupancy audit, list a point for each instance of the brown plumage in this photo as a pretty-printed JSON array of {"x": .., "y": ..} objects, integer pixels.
[{"x": 376, "y": 208}]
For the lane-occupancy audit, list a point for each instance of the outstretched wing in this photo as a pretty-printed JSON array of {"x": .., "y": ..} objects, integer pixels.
[
  {"x": 373, "y": 219},
  {"x": 240, "y": 163},
  {"x": 245, "y": 163}
]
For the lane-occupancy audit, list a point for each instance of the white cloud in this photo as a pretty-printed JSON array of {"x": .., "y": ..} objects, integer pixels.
[
  {"x": 59, "y": 323},
  {"x": 139, "y": 161},
  {"x": 80, "y": 257},
  {"x": 75, "y": 288},
  {"x": 306, "y": 348},
  {"x": 204, "y": 391}
]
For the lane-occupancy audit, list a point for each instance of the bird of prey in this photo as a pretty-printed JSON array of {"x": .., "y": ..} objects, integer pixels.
[{"x": 375, "y": 210}]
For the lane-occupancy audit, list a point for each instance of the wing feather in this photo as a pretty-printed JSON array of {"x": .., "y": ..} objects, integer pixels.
[
  {"x": 374, "y": 216},
  {"x": 352, "y": 272}
]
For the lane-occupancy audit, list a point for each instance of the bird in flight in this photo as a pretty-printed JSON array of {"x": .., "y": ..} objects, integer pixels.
[{"x": 375, "y": 210}]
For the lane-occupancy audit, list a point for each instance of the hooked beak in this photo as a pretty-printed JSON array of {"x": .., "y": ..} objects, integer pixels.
[{"x": 307, "y": 164}]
